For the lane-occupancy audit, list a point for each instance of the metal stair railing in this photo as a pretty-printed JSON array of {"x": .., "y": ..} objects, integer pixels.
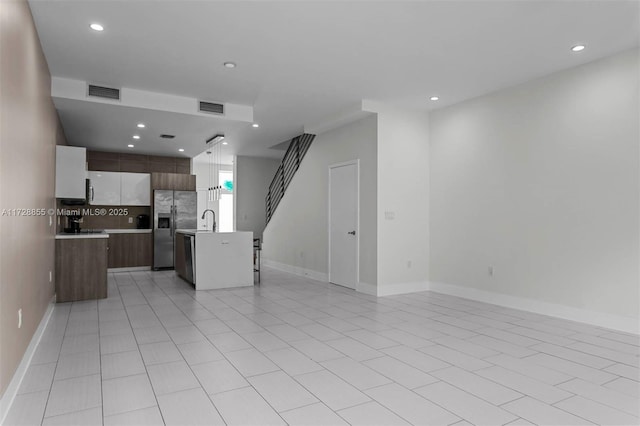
[{"x": 287, "y": 169}]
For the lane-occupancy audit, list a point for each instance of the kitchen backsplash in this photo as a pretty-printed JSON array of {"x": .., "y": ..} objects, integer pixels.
[{"x": 106, "y": 217}]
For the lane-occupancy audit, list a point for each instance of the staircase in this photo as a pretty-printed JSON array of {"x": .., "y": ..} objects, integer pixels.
[{"x": 287, "y": 169}]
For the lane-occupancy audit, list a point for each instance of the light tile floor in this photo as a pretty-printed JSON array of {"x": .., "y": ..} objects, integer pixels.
[{"x": 298, "y": 351}]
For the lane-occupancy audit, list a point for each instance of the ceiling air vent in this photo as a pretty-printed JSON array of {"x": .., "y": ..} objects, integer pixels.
[
  {"x": 165, "y": 136},
  {"x": 104, "y": 92},
  {"x": 211, "y": 108}
]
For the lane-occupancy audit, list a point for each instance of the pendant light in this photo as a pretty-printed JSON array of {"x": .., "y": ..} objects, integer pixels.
[{"x": 211, "y": 175}]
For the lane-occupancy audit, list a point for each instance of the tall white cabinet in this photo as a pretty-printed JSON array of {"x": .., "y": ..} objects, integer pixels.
[{"x": 71, "y": 172}]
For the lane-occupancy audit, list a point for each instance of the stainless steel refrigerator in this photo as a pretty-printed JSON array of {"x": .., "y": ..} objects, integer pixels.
[{"x": 171, "y": 210}]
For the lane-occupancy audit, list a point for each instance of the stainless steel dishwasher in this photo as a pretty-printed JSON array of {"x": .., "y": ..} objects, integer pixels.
[{"x": 190, "y": 257}]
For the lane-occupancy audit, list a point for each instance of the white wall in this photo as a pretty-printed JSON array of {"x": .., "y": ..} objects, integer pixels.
[
  {"x": 30, "y": 131},
  {"x": 297, "y": 235},
  {"x": 200, "y": 167},
  {"x": 403, "y": 201},
  {"x": 252, "y": 179},
  {"x": 541, "y": 181}
]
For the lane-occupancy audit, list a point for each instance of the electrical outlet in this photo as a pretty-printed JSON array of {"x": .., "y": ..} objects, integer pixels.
[
  {"x": 130, "y": 220},
  {"x": 50, "y": 276},
  {"x": 490, "y": 270},
  {"x": 20, "y": 318}
]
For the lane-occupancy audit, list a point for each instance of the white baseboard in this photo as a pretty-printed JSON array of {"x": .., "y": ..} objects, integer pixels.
[
  {"x": 600, "y": 319},
  {"x": 16, "y": 381},
  {"x": 295, "y": 270},
  {"x": 130, "y": 269}
]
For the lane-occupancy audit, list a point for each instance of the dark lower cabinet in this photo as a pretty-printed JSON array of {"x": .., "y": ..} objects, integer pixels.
[
  {"x": 81, "y": 269},
  {"x": 129, "y": 250}
]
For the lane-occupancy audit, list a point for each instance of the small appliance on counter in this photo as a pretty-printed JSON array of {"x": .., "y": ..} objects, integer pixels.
[
  {"x": 73, "y": 224},
  {"x": 142, "y": 221}
]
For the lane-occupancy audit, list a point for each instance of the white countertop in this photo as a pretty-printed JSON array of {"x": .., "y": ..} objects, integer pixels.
[
  {"x": 79, "y": 236},
  {"x": 128, "y": 231}
]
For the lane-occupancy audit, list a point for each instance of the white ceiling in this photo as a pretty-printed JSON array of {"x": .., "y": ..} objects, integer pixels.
[
  {"x": 110, "y": 127},
  {"x": 299, "y": 62}
]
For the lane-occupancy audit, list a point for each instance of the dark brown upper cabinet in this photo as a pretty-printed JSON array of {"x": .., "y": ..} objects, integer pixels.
[
  {"x": 136, "y": 163},
  {"x": 175, "y": 181}
]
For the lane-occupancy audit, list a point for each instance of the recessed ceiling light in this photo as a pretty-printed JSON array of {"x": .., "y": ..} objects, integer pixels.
[
  {"x": 434, "y": 98},
  {"x": 255, "y": 125},
  {"x": 181, "y": 149},
  {"x": 136, "y": 137},
  {"x": 578, "y": 48},
  {"x": 96, "y": 27},
  {"x": 141, "y": 125},
  {"x": 225, "y": 143},
  {"x": 230, "y": 64},
  {"x": 130, "y": 146}
]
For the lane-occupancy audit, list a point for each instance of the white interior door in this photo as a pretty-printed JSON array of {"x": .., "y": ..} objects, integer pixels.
[{"x": 343, "y": 224}]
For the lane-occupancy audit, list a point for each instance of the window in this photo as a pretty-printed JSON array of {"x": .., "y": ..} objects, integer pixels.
[{"x": 225, "y": 223}]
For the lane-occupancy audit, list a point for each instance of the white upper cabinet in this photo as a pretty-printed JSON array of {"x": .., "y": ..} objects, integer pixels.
[
  {"x": 135, "y": 189},
  {"x": 105, "y": 188},
  {"x": 120, "y": 189},
  {"x": 71, "y": 172}
]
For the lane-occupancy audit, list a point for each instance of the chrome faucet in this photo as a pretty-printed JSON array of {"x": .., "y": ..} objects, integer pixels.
[{"x": 214, "y": 218}]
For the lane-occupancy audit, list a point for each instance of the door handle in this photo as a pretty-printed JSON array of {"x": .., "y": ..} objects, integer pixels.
[
  {"x": 172, "y": 224},
  {"x": 352, "y": 233}
]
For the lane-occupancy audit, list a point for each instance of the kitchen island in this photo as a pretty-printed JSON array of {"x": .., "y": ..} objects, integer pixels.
[{"x": 214, "y": 260}]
